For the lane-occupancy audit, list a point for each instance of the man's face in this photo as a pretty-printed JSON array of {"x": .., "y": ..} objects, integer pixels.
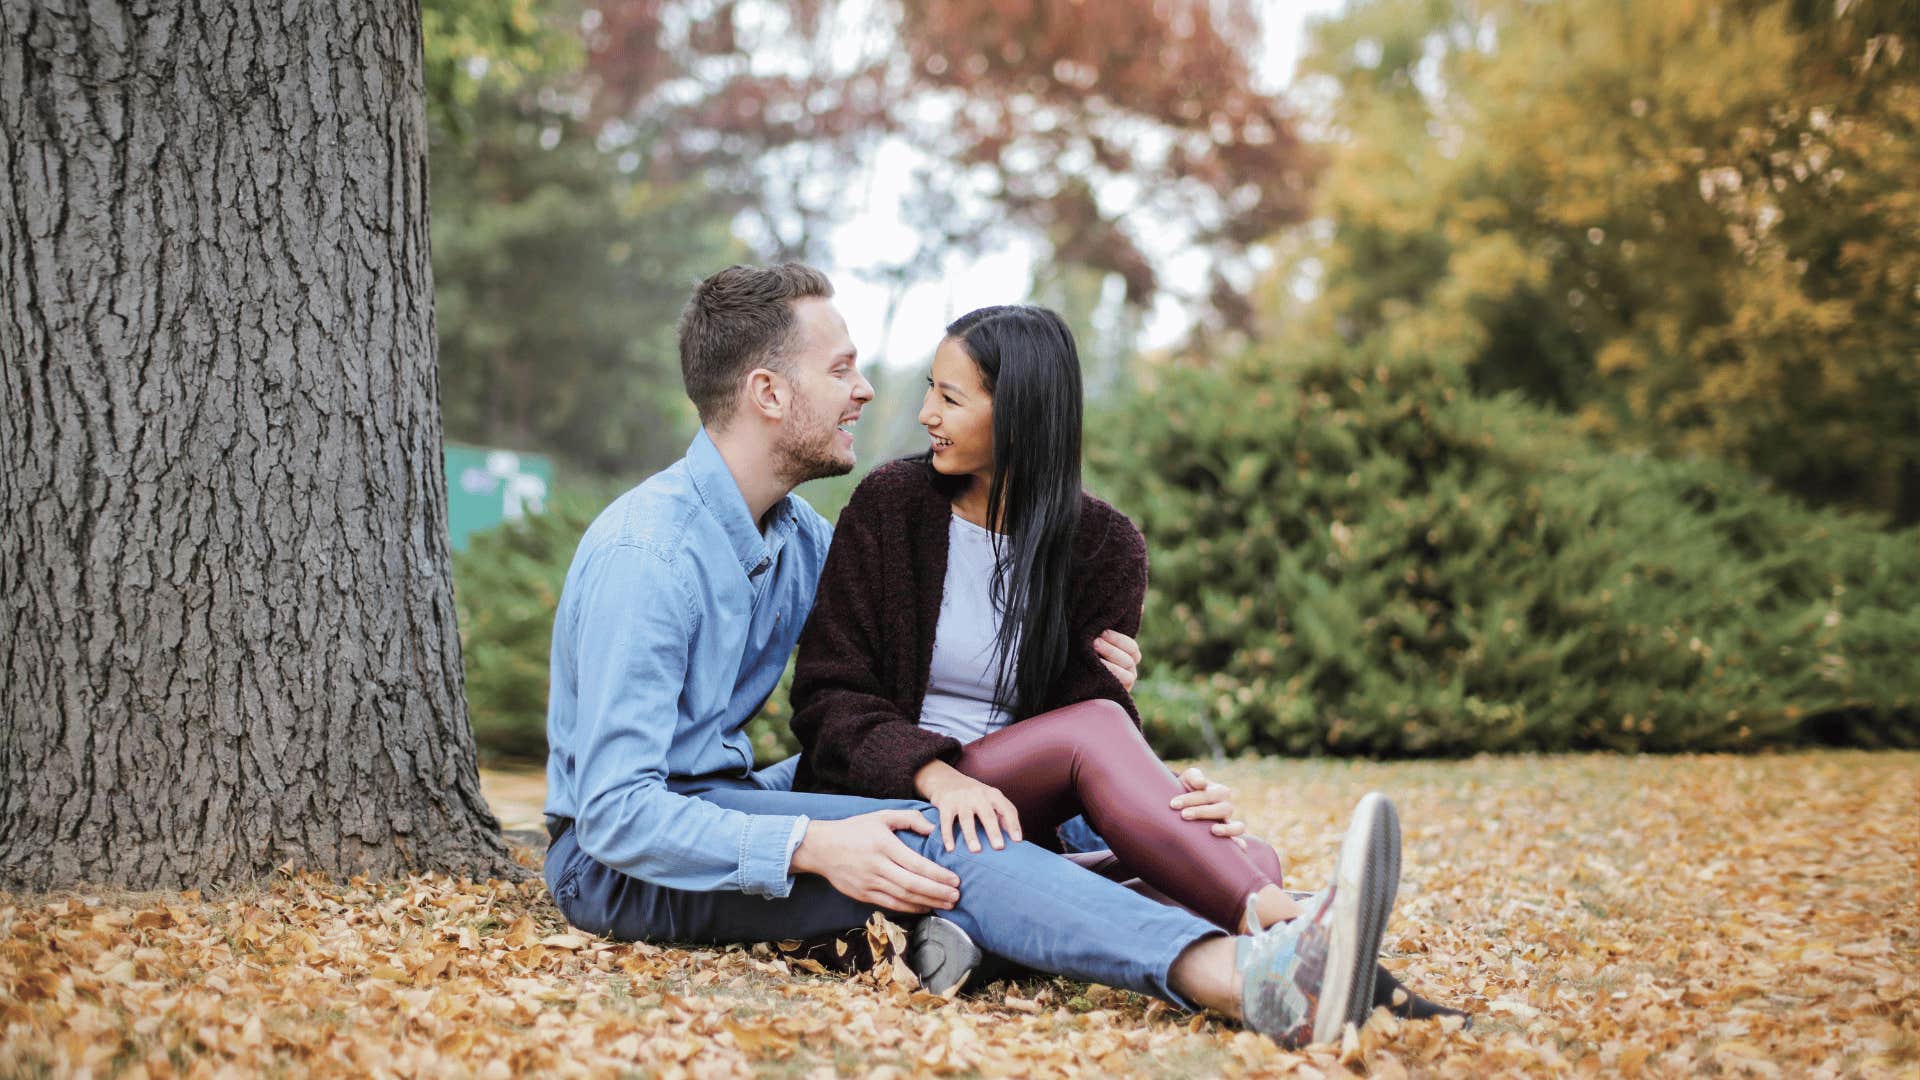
[{"x": 816, "y": 437}]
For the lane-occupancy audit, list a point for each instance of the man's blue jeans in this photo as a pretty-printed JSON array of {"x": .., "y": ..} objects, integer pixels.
[{"x": 1023, "y": 903}]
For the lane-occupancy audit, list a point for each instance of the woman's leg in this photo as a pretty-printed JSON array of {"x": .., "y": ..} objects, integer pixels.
[
  {"x": 1089, "y": 758},
  {"x": 1112, "y": 867}
]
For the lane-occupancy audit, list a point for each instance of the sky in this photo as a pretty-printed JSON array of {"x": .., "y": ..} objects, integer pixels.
[{"x": 1002, "y": 276}]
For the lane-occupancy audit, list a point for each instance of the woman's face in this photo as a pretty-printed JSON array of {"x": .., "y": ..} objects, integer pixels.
[{"x": 958, "y": 414}]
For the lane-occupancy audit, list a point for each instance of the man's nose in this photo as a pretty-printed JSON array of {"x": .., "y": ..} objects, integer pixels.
[{"x": 864, "y": 391}]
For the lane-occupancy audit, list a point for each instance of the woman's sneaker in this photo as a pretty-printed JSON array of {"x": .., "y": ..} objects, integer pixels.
[{"x": 1303, "y": 980}]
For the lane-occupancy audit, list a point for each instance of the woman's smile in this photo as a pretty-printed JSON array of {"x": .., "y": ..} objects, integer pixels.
[{"x": 958, "y": 414}]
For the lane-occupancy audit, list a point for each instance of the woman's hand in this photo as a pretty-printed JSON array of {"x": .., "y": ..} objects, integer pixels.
[
  {"x": 1121, "y": 654},
  {"x": 1207, "y": 801},
  {"x": 962, "y": 799}
]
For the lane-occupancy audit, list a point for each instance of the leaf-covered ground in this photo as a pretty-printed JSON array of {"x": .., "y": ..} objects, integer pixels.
[{"x": 1665, "y": 916}]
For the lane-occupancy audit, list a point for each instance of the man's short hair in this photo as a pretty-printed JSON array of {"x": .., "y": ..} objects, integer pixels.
[{"x": 739, "y": 319}]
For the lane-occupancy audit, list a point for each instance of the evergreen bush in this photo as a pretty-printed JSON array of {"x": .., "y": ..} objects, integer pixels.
[{"x": 1377, "y": 561}]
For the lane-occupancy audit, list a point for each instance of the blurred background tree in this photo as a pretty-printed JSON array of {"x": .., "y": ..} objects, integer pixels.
[
  {"x": 1693, "y": 224},
  {"x": 1076, "y": 123},
  {"x": 559, "y": 278},
  {"x": 1515, "y": 338},
  {"x": 559, "y": 267}
]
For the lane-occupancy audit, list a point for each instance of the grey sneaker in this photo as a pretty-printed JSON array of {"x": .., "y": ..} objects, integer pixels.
[
  {"x": 1305, "y": 979},
  {"x": 941, "y": 954}
]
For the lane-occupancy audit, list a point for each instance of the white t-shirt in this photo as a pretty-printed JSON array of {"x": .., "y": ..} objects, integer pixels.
[{"x": 960, "y": 688}]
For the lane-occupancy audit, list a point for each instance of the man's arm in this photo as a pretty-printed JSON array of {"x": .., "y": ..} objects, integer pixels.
[
  {"x": 636, "y": 627},
  {"x": 635, "y": 630}
]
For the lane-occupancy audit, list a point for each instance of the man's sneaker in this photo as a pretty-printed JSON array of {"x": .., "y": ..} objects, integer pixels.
[
  {"x": 1305, "y": 979},
  {"x": 941, "y": 954}
]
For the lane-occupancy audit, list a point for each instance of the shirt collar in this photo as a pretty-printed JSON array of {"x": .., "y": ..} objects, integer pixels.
[{"x": 721, "y": 495}]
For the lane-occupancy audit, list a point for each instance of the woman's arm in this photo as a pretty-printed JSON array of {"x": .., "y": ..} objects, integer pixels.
[
  {"x": 1108, "y": 595},
  {"x": 854, "y": 735}
]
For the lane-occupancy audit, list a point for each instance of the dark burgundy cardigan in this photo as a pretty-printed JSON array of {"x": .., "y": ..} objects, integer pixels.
[{"x": 867, "y": 649}]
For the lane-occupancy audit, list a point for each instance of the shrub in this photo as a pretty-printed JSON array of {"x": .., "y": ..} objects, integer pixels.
[
  {"x": 506, "y": 586},
  {"x": 1380, "y": 562}
]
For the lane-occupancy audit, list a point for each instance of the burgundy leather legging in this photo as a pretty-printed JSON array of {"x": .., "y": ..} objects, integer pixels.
[{"x": 1089, "y": 758}]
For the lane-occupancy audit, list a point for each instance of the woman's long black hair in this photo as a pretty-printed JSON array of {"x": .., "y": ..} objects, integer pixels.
[{"x": 1029, "y": 365}]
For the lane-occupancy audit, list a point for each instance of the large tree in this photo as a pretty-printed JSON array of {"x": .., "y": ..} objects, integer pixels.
[{"x": 227, "y": 636}]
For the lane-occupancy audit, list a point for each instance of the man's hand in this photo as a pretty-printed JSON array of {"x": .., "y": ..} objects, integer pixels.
[
  {"x": 861, "y": 858},
  {"x": 960, "y": 798},
  {"x": 1206, "y": 801},
  {"x": 1121, "y": 654}
]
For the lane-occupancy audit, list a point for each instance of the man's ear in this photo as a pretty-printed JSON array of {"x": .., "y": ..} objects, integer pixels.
[{"x": 768, "y": 393}]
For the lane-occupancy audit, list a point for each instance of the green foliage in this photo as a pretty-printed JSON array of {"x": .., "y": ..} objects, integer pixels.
[
  {"x": 506, "y": 586},
  {"x": 473, "y": 46},
  {"x": 1379, "y": 561},
  {"x": 559, "y": 276}
]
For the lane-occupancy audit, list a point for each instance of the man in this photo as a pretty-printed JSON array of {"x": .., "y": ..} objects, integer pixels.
[{"x": 679, "y": 612}]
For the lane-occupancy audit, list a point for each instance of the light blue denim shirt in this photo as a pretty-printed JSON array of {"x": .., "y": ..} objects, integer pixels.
[{"x": 675, "y": 623}]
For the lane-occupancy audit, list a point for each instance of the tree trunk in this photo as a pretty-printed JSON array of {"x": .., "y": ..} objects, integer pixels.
[{"x": 227, "y": 629}]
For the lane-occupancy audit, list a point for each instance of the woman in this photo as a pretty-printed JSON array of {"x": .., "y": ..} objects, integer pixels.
[{"x": 912, "y": 684}]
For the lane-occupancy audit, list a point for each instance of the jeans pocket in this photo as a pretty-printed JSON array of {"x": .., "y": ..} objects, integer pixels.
[{"x": 565, "y": 885}]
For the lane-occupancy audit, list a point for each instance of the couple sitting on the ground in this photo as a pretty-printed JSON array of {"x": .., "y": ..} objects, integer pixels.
[{"x": 964, "y": 671}]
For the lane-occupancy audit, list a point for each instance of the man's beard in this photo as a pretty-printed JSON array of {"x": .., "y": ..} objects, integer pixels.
[{"x": 805, "y": 450}]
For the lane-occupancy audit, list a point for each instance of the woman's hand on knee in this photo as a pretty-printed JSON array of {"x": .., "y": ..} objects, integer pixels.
[
  {"x": 1207, "y": 801},
  {"x": 962, "y": 801}
]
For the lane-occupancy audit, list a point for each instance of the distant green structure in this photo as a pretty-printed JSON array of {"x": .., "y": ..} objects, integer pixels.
[{"x": 488, "y": 487}]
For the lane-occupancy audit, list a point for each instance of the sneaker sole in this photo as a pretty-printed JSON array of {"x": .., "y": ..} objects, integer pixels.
[
  {"x": 1365, "y": 884},
  {"x": 942, "y": 955}
]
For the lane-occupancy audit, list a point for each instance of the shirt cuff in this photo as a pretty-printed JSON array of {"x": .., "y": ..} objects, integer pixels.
[
  {"x": 766, "y": 854},
  {"x": 793, "y": 842}
]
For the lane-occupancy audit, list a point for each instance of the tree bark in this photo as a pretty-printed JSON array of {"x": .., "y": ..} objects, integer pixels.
[{"x": 227, "y": 630}]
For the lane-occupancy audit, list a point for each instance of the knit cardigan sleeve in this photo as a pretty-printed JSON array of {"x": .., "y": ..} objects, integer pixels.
[
  {"x": 1109, "y": 591},
  {"x": 854, "y": 737}
]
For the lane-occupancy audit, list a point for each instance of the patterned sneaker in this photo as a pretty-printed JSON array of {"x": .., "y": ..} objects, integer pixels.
[
  {"x": 941, "y": 954},
  {"x": 1305, "y": 979}
]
